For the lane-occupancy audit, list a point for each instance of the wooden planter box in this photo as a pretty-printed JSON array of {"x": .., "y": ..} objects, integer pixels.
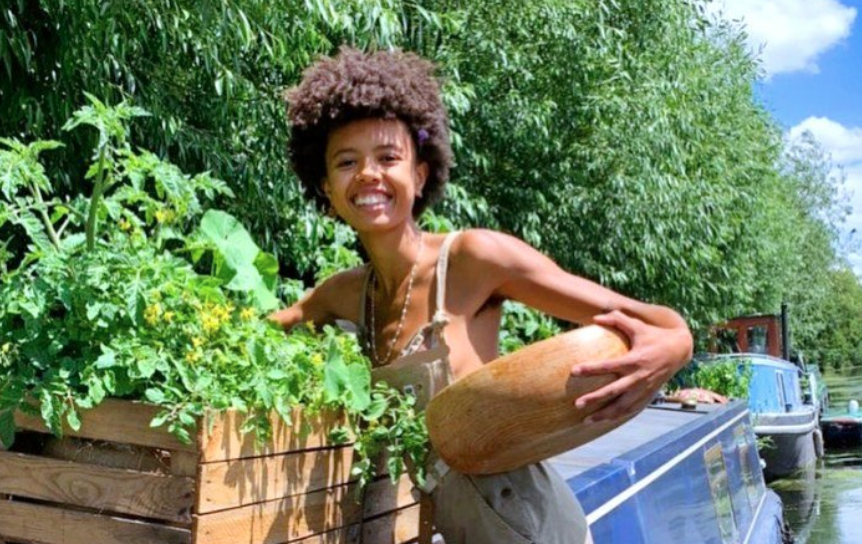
[{"x": 118, "y": 481}]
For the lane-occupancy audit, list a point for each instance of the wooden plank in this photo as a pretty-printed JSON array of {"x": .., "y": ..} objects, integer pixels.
[
  {"x": 184, "y": 463},
  {"x": 115, "y": 490},
  {"x": 226, "y": 441},
  {"x": 298, "y": 517},
  {"x": 106, "y": 454},
  {"x": 50, "y": 525},
  {"x": 230, "y": 484},
  {"x": 398, "y": 527},
  {"x": 116, "y": 421}
]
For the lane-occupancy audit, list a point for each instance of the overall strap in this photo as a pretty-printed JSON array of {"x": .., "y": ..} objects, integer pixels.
[{"x": 440, "y": 316}]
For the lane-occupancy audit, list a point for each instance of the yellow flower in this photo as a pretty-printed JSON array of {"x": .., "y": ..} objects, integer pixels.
[
  {"x": 164, "y": 216},
  {"x": 197, "y": 341},
  {"x": 168, "y": 317},
  {"x": 192, "y": 356},
  {"x": 125, "y": 225},
  {"x": 317, "y": 359},
  {"x": 247, "y": 314},
  {"x": 210, "y": 323},
  {"x": 152, "y": 313},
  {"x": 310, "y": 326},
  {"x": 7, "y": 347}
]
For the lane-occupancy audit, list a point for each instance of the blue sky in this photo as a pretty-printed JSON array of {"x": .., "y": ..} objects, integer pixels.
[{"x": 811, "y": 51}]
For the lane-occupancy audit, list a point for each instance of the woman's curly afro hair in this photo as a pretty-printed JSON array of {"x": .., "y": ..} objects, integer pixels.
[{"x": 355, "y": 85}]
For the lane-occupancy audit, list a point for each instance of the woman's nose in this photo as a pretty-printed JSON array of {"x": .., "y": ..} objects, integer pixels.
[{"x": 369, "y": 170}]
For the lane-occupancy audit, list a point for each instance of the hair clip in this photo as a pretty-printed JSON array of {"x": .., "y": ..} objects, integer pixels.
[{"x": 422, "y": 136}]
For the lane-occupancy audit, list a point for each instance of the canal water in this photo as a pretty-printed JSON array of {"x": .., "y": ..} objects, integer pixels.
[{"x": 823, "y": 505}]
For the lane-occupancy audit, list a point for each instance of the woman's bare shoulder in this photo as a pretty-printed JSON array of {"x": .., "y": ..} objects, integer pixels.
[
  {"x": 489, "y": 247},
  {"x": 340, "y": 293}
]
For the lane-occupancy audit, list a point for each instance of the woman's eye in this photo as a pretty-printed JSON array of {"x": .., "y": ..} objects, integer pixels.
[
  {"x": 345, "y": 163},
  {"x": 388, "y": 158}
]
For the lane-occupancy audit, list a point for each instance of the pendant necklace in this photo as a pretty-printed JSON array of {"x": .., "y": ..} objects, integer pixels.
[{"x": 373, "y": 333}]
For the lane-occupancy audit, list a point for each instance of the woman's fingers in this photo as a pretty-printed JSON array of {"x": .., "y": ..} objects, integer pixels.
[
  {"x": 620, "y": 365},
  {"x": 625, "y": 406},
  {"x": 606, "y": 393},
  {"x": 618, "y": 320}
]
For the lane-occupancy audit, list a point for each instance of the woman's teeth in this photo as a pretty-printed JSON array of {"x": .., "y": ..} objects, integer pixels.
[{"x": 371, "y": 200}]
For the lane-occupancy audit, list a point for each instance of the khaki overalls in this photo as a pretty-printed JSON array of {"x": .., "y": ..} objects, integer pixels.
[{"x": 528, "y": 505}]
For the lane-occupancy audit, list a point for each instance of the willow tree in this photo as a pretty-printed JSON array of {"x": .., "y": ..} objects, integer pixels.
[{"x": 621, "y": 136}]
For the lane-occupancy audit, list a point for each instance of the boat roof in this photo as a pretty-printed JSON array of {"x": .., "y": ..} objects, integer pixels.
[{"x": 655, "y": 421}]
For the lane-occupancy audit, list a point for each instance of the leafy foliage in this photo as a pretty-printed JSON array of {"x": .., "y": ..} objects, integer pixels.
[
  {"x": 164, "y": 304},
  {"x": 730, "y": 377},
  {"x": 642, "y": 161}
]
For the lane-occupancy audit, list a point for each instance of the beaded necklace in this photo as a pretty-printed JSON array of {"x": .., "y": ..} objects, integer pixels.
[{"x": 373, "y": 331}]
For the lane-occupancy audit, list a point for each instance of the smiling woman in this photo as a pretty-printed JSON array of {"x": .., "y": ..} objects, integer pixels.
[{"x": 370, "y": 144}]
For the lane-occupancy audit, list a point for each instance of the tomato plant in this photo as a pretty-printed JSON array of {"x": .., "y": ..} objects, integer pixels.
[{"x": 139, "y": 291}]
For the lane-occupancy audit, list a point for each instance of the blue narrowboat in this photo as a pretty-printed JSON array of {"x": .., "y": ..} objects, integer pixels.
[
  {"x": 784, "y": 417},
  {"x": 676, "y": 475}
]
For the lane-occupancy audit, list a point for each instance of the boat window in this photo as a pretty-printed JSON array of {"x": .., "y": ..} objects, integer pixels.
[
  {"x": 757, "y": 342},
  {"x": 726, "y": 341},
  {"x": 782, "y": 392}
]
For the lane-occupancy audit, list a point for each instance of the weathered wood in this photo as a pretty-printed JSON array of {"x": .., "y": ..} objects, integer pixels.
[
  {"x": 184, "y": 463},
  {"x": 107, "y": 454},
  {"x": 398, "y": 527},
  {"x": 48, "y": 525},
  {"x": 115, "y": 490},
  {"x": 230, "y": 484},
  {"x": 298, "y": 517},
  {"x": 116, "y": 421},
  {"x": 226, "y": 441},
  {"x": 520, "y": 408}
]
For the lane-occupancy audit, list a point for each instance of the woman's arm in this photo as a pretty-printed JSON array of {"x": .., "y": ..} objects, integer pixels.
[
  {"x": 335, "y": 298},
  {"x": 660, "y": 339}
]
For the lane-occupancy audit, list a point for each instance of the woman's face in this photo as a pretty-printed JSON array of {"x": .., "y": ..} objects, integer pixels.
[{"x": 372, "y": 174}]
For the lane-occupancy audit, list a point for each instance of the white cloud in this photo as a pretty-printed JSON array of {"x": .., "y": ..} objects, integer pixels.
[
  {"x": 792, "y": 33},
  {"x": 844, "y": 143},
  {"x": 845, "y": 146}
]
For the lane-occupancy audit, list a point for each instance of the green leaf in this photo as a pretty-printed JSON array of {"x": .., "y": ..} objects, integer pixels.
[
  {"x": 73, "y": 420},
  {"x": 376, "y": 408},
  {"x": 107, "y": 359},
  {"x": 359, "y": 386},
  {"x": 335, "y": 375},
  {"x": 156, "y": 396},
  {"x": 160, "y": 419}
]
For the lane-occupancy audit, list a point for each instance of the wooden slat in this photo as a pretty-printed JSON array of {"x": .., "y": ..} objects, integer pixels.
[
  {"x": 226, "y": 441},
  {"x": 184, "y": 463},
  {"x": 301, "y": 516},
  {"x": 116, "y": 421},
  {"x": 230, "y": 484},
  {"x": 398, "y": 527},
  {"x": 106, "y": 454},
  {"x": 114, "y": 490},
  {"x": 50, "y": 525}
]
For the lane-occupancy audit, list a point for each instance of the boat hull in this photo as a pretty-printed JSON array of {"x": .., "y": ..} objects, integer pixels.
[
  {"x": 790, "y": 443},
  {"x": 699, "y": 479},
  {"x": 842, "y": 432}
]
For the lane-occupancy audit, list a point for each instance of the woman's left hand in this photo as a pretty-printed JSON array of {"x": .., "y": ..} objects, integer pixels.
[{"x": 656, "y": 354}]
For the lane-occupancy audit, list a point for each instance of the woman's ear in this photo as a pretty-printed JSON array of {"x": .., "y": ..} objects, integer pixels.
[{"x": 422, "y": 171}]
